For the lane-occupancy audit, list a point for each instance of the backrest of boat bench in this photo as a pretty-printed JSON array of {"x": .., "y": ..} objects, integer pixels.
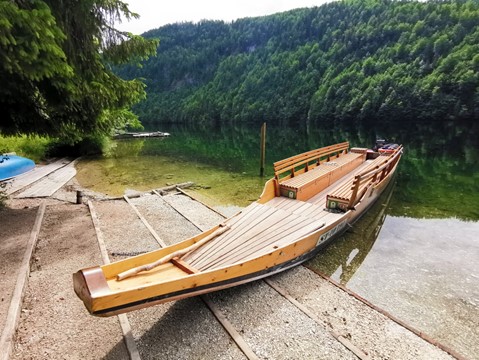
[{"x": 317, "y": 155}]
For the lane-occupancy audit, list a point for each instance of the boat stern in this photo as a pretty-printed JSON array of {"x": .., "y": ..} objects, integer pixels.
[{"x": 90, "y": 284}]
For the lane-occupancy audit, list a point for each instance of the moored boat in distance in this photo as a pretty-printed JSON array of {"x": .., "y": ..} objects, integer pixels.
[
  {"x": 14, "y": 165},
  {"x": 313, "y": 198}
]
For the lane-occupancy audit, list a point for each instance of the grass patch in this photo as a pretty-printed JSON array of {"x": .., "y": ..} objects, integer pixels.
[
  {"x": 40, "y": 148},
  {"x": 32, "y": 147}
]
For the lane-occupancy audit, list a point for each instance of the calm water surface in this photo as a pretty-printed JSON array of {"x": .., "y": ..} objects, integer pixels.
[{"x": 415, "y": 254}]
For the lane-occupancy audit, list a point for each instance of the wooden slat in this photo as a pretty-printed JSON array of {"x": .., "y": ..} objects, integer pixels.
[
  {"x": 265, "y": 220},
  {"x": 308, "y": 184},
  {"x": 321, "y": 170},
  {"x": 313, "y": 174},
  {"x": 286, "y": 164},
  {"x": 233, "y": 223},
  {"x": 255, "y": 245},
  {"x": 282, "y": 203},
  {"x": 320, "y": 198},
  {"x": 48, "y": 185},
  {"x": 285, "y": 240},
  {"x": 306, "y": 209},
  {"x": 34, "y": 175},
  {"x": 240, "y": 236},
  {"x": 348, "y": 194},
  {"x": 315, "y": 211},
  {"x": 275, "y": 226},
  {"x": 297, "y": 205},
  {"x": 212, "y": 246}
]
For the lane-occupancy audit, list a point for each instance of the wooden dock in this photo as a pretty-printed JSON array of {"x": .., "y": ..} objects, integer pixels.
[
  {"x": 50, "y": 183},
  {"x": 38, "y": 173}
]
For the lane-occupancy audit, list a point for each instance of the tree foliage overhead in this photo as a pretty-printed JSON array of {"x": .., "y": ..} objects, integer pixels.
[
  {"x": 344, "y": 62},
  {"x": 55, "y": 67}
]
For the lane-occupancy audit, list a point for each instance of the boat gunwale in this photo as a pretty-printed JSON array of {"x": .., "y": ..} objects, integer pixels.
[{"x": 311, "y": 250}]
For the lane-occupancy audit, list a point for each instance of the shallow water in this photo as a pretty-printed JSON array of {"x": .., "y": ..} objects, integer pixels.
[
  {"x": 112, "y": 176},
  {"x": 423, "y": 271}
]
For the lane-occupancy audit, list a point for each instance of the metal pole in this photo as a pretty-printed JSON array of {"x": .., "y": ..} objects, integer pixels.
[{"x": 263, "y": 149}]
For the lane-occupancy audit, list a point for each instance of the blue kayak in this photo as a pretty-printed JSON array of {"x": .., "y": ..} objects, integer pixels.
[{"x": 13, "y": 165}]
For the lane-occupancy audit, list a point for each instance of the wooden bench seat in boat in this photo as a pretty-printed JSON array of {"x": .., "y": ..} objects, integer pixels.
[
  {"x": 315, "y": 178},
  {"x": 345, "y": 197}
]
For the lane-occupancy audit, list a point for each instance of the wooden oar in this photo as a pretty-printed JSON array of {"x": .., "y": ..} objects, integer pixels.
[{"x": 166, "y": 258}]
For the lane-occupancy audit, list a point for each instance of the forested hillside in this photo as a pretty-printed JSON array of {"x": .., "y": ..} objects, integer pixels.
[{"x": 341, "y": 63}]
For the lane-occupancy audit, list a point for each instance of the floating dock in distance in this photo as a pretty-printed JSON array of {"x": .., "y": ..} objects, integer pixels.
[{"x": 133, "y": 135}]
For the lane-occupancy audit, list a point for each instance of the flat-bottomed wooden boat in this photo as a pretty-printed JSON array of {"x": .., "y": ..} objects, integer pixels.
[{"x": 312, "y": 199}]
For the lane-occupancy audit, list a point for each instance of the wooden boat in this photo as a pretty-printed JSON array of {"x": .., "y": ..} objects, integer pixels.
[
  {"x": 14, "y": 165},
  {"x": 313, "y": 198}
]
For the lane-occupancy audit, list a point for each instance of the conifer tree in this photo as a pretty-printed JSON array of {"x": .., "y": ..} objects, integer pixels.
[{"x": 55, "y": 67}]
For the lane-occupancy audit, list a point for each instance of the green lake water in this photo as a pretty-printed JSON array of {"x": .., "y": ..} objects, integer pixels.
[{"x": 415, "y": 254}]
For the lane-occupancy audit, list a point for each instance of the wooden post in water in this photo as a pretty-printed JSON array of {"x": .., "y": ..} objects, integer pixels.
[{"x": 263, "y": 149}]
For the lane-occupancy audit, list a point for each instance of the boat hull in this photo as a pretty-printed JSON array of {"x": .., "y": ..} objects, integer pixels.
[{"x": 14, "y": 165}]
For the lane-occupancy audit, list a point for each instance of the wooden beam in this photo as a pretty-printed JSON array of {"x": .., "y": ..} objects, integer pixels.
[
  {"x": 122, "y": 318},
  {"x": 237, "y": 338},
  {"x": 344, "y": 341},
  {"x": 14, "y": 310},
  {"x": 184, "y": 266},
  {"x": 148, "y": 226},
  {"x": 179, "y": 212}
]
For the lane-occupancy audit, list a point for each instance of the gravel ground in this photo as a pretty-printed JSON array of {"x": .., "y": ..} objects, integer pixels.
[
  {"x": 54, "y": 324},
  {"x": 183, "y": 329},
  {"x": 371, "y": 331},
  {"x": 15, "y": 232},
  {"x": 196, "y": 212},
  {"x": 168, "y": 224},
  {"x": 122, "y": 229},
  {"x": 273, "y": 327}
]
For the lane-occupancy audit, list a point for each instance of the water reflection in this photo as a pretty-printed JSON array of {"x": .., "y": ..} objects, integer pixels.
[
  {"x": 343, "y": 257},
  {"x": 438, "y": 175}
]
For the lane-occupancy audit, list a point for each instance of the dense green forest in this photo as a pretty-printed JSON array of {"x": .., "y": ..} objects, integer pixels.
[{"x": 343, "y": 63}]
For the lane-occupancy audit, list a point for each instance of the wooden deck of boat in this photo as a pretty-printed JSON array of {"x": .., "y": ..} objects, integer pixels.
[{"x": 262, "y": 228}]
